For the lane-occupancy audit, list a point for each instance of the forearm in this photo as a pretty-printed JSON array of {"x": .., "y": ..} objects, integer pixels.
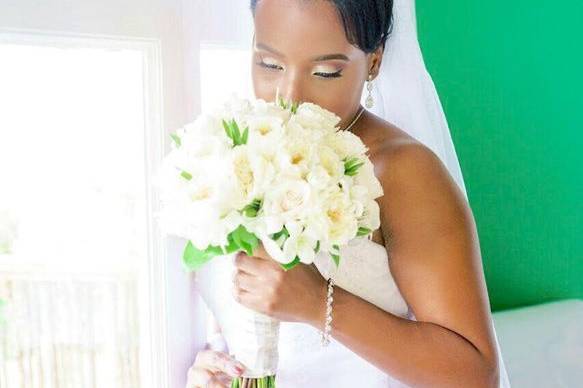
[{"x": 417, "y": 353}]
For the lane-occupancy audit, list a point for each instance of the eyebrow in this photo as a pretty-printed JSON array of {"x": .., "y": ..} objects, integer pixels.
[{"x": 320, "y": 58}]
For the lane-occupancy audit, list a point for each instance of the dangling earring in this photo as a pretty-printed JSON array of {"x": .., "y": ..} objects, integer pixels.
[{"x": 369, "y": 100}]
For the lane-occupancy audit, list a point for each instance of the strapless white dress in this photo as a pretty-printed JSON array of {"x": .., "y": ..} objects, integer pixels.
[{"x": 303, "y": 362}]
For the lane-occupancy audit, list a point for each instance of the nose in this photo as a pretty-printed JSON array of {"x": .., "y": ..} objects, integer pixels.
[{"x": 290, "y": 88}]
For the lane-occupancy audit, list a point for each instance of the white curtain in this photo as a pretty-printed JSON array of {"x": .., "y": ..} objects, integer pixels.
[{"x": 61, "y": 332}]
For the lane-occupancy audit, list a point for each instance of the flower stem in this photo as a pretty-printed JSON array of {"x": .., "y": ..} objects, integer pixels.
[{"x": 247, "y": 382}]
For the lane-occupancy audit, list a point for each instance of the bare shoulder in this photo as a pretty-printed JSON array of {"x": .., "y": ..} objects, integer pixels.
[
  {"x": 394, "y": 153},
  {"x": 414, "y": 179}
]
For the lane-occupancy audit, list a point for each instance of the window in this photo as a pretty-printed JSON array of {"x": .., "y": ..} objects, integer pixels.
[{"x": 75, "y": 244}]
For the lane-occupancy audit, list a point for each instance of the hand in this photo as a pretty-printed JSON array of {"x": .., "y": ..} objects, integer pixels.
[
  {"x": 213, "y": 369},
  {"x": 262, "y": 284}
]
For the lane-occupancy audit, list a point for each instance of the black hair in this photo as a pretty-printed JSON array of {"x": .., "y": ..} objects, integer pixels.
[{"x": 367, "y": 23}]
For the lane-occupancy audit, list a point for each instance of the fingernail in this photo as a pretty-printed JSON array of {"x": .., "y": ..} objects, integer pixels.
[{"x": 235, "y": 370}]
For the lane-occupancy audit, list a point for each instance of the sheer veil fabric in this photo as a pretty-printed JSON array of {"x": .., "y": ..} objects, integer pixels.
[{"x": 404, "y": 94}]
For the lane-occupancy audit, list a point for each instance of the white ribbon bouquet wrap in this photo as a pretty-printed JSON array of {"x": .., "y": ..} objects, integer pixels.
[
  {"x": 275, "y": 173},
  {"x": 256, "y": 342}
]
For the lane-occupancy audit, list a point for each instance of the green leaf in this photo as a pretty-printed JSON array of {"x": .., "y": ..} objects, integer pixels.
[
  {"x": 231, "y": 246},
  {"x": 236, "y": 236},
  {"x": 351, "y": 166},
  {"x": 250, "y": 211},
  {"x": 236, "y": 132},
  {"x": 291, "y": 264},
  {"x": 245, "y": 135},
  {"x": 336, "y": 259},
  {"x": 186, "y": 175},
  {"x": 282, "y": 103},
  {"x": 291, "y": 105},
  {"x": 253, "y": 208},
  {"x": 245, "y": 239},
  {"x": 282, "y": 232},
  {"x": 362, "y": 231},
  {"x": 317, "y": 247},
  {"x": 193, "y": 258},
  {"x": 227, "y": 129},
  {"x": 176, "y": 139}
]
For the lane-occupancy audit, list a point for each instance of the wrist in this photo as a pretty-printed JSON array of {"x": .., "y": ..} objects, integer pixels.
[{"x": 317, "y": 315}]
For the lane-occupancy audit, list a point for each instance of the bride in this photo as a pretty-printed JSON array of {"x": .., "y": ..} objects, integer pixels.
[{"x": 410, "y": 305}]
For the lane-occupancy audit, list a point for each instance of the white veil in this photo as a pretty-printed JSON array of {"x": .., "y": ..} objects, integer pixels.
[{"x": 404, "y": 94}]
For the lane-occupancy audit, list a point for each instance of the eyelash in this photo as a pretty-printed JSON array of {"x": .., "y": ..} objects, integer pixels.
[{"x": 323, "y": 75}]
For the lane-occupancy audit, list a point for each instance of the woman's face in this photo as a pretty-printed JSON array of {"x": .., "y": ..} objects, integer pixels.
[{"x": 300, "y": 47}]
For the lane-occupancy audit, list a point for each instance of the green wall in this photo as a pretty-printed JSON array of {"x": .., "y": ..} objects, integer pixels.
[{"x": 510, "y": 77}]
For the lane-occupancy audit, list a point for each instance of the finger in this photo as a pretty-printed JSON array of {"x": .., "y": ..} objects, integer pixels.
[
  {"x": 215, "y": 382},
  {"x": 218, "y": 362},
  {"x": 250, "y": 264},
  {"x": 198, "y": 377},
  {"x": 224, "y": 378},
  {"x": 241, "y": 296},
  {"x": 251, "y": 300},
  {"x": 244, "y": 281}
]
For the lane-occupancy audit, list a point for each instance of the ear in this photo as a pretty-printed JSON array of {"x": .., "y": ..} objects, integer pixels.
[{"x": 375, "y": 60}]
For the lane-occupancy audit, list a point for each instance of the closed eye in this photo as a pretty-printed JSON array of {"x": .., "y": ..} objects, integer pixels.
[
  {"x": 330, "y": 75},
  {"x": 272, "y": 66}
]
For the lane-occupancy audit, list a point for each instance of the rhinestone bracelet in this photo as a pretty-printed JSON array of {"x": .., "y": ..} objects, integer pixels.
[{"x": 328, "y": 326}]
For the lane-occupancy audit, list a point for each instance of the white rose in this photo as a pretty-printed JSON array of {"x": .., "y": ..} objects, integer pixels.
[
  {"x": 371, "y": 215},
  {"x": 346, "y": 144},
  {"x": 297, "y": 157},
  {"x": 234, "y": 108},
  {"x": 342, "y": 222},
  {"x": 289, "y": 199},
  {"x": 244, "y": 173},
  {"x": 366, "y": 177},
  {"x": 313, "y": 116},
  {"x": 264, "y": 108},
  {"x": 300, "y": 244},
  {"x": 318, "y": 178},
  {"x": 215, "y": 230},
  {"x": 265, "y": 128},
  {"x": 263, "y": 225},
  {"x": 330, "y": 162},
  {"x": 358, "y": 195}
]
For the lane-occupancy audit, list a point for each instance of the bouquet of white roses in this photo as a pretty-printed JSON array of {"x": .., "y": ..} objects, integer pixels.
[{"x": 271, "y": 172}]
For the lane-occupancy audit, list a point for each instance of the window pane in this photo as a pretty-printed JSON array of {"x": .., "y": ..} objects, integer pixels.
[
  {"x": 72, "y": 215},
  {"x": 72, "y": 156}
]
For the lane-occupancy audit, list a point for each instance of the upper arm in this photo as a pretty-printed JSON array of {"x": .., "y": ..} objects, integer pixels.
[{"x": 433, "y": 245}]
